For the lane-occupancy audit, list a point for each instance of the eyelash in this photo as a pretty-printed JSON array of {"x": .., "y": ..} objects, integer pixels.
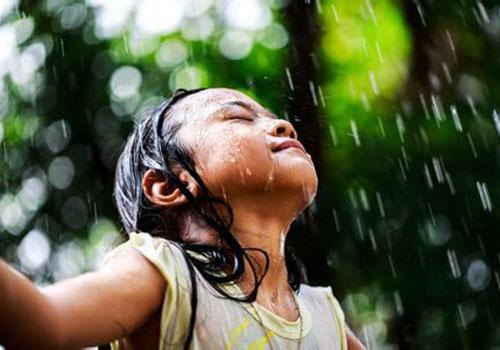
[{"x": 241, "y": 118}]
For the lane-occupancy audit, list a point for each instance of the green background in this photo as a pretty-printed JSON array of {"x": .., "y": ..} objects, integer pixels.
[{"x": 397, "y": 101}]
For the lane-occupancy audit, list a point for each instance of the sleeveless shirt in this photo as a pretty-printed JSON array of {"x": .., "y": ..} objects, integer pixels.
[{"x": 222, "y": 323}]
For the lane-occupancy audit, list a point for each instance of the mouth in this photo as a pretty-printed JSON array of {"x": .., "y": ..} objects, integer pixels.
[{"x": 288, "y": 144}]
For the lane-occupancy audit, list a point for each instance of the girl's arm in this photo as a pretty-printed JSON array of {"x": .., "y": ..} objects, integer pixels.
[
  {"x": 353, "y": 343},
  {"x": 94, "y": 308}
]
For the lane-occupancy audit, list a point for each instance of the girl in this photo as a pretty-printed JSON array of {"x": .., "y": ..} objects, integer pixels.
[{"x": 207, "y": 189}]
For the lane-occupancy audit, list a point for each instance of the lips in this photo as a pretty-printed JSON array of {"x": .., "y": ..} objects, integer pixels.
[{"x": 287, "y": 144}]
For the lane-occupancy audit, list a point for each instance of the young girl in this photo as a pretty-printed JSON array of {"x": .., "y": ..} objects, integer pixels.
[{"x": 207, "y": 188}]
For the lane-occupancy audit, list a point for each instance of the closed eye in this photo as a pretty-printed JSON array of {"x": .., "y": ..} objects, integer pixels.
[{"x": 240, "y": 118}]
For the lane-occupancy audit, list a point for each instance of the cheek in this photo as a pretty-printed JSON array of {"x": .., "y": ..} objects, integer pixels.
[{"x": 234, "y": 160}]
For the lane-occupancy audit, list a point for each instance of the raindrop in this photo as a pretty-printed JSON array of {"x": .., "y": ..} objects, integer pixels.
[
  {"x": 353, "y": 199},
  {"x": 289, "y": 78},
  {"x": 446, "y": 71},
  {"x": 374, "y": 84},
  {"x": 61, "y": 42},
  {"x": 335, "y": 13},
  {"x": 453, "y": 261},
  {"x": 382, "y": 130},
  {"x": 461, "y": 317},
  {"x": 472, "y": 145},
  {"x": 456, "y": 118},
  {"x": 398, "y": 303},
  {"x": 421, "y": 14},
  {"x": 380, "y": 204},
  {"x": 437, "y": 109},
  {"x": 449, "y": 181},
  {"x": 361, "y": 232},
  {"x": 470, "y": 101},
  {"x": 364, "y": 199},
  {"x": 125, "y": 44},
  {"x": 401, "y": 127},
  {"x": 431, "y": 213},
  {"x": 424, "y": 106},
  {"x": 313, "y": 93},
  {"x": 428, "y": 178},
  {"x": 405, "y": 158},
  {"x": 497, "y": 279},
  {"x": 403, "y": 173},
  {"x": 484, "y": 195},
  {"x": 321, "y": 97},
  {"x": 496, "y": 119},
  {"x": 452, "y": 45},
  {"x": 379, "y": 52},
  {"x": 333, "y": 134},
  {"x": 438, "y": 170},
  {"x": 372, "y": 239},
  {"x": 371, "y": 11},
  {"x": 391, "y": 263},
  {"x": 483, "y": 12},
  {"x": 318, "y": 5},
  {"x": 355, "y": 134},
  {"x": 336, "y": 220}
]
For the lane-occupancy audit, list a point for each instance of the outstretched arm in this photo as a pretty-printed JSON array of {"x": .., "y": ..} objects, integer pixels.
[
  {"x": 353, "y": 343},
  {"x": 94, "y": 308}
]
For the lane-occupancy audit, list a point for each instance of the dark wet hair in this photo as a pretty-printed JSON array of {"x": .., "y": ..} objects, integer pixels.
[{"x": 154, "y": 145}]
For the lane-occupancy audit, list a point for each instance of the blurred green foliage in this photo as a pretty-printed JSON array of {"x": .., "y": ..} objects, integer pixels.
[{"x": 405, "y": 96}]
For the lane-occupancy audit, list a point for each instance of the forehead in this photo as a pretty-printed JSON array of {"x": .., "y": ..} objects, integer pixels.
[{"x": 199, "y": 106}]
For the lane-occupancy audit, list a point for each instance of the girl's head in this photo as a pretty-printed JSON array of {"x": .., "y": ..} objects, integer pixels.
[{"x": 218, "y": 143}]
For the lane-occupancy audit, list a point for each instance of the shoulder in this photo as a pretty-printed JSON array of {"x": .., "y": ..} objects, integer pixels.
[
  {"x": 326, "y": 294},
  {"x": 322, "y": 297},
  {"x": 165, "y": 256}
]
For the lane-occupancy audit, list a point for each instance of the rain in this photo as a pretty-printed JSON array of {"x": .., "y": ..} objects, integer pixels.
[{"x": 397, "y": 102}]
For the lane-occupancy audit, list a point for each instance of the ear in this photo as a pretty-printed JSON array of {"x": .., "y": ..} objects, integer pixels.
[{"x": 158, "y": 189}]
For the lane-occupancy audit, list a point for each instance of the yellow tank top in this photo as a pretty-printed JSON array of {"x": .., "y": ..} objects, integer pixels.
[{"x": 222, "y": 323}]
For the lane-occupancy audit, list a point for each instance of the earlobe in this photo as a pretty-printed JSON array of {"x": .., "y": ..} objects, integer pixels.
[{"x": 161, "y": 192}]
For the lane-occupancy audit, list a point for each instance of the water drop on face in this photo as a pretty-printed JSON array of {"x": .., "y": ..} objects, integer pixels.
[{"x": 248, "y": 171}]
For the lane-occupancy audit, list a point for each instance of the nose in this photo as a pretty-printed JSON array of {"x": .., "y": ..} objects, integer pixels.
[{"x": 284, "y": 128}]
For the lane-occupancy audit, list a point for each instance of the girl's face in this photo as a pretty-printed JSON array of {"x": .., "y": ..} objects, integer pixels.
[{"x": 239, "y": 148}]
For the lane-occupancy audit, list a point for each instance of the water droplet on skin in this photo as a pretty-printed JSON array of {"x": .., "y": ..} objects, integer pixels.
[
  {"x": 248, "y": 171},
  {"x": 282, "y": 244},
  {"x": 270, "y": 180},
  {"x": 224, "y": 195},
  {"x": 242, "y": 176}
]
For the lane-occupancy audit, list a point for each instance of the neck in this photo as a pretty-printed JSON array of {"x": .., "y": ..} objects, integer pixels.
[
  {"x": 267, "y": 234},
  {"x": 262, "y": 225}
]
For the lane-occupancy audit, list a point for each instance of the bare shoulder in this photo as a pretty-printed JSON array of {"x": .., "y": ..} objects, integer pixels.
[{"x": 130, "y": 264}]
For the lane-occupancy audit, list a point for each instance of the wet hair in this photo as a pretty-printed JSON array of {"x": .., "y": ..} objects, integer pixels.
[{"x": 154, "y": 144}]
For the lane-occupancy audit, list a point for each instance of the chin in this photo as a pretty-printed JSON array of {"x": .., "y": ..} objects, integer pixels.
[{"x": 301, "y": 182}]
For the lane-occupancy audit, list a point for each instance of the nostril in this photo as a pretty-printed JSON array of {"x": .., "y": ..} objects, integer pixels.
[
  {"x": 293, "y": 135},
  {"x": 280, "y": 130}
]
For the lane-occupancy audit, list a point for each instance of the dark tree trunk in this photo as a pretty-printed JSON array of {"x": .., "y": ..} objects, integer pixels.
[{"x": 304, "y": 97}]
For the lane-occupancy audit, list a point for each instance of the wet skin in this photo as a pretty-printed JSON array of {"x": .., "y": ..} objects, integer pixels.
[{"x": 234, "y": 143}]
